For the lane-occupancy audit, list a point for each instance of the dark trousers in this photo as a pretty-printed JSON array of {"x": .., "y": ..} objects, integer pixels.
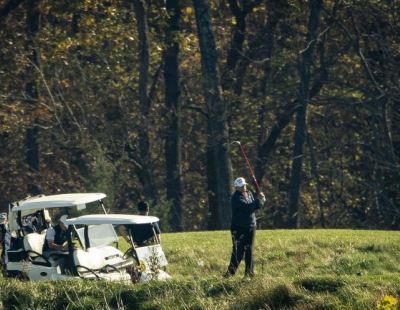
[{"x": 243, "y": 242}]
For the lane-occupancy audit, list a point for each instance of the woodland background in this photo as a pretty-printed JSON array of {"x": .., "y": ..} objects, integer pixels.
[{"x": 141, "y": 100}]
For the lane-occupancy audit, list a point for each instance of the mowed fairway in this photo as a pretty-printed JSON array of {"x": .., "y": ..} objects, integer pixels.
[
  {"x": 288, "y": 253},
  {"x": 295, "y": 269}
]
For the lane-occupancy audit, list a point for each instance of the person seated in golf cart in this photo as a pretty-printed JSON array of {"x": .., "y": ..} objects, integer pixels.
[
  {"x": 142, "y": 234},
  {"x": 56, "y": 238},
  {"x": 30, "y": 224}
]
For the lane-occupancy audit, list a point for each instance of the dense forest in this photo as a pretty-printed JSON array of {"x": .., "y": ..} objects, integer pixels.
[{"x": 141, "y": 99}]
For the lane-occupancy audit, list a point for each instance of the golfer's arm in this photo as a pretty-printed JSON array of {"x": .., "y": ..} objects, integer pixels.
[{"x": 242, "y": 204}]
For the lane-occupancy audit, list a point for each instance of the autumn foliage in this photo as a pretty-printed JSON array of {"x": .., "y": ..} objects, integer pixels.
[{"x": 70, "y": 95}]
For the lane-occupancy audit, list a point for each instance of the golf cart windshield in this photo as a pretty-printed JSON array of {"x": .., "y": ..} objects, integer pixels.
[
  {"x": 100, "y": 229},
  {"x": 99, "y": 235}
]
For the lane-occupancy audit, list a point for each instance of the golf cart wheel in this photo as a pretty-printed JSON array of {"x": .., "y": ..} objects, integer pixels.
[
  {"x": 133, "y": 270},
  {"x": 15, "y": 274}
]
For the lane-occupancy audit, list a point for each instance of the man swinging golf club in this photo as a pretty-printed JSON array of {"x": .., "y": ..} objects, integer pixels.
[{"x": 243, "y": 226}]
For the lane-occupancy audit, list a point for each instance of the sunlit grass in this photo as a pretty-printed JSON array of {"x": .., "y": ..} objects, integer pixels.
[
  {"x": 295, "y": 269},
  {"x": 282, "y": 253}
]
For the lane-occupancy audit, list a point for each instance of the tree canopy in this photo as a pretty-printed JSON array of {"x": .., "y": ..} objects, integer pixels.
[{"x": 112, "y": 96}]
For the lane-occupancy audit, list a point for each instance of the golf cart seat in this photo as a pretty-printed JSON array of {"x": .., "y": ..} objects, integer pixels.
[
  {"x": 90, "y": 264},
  {"x": 33, "y": 245}
]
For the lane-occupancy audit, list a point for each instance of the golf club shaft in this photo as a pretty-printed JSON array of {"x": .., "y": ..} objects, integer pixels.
[{"x": 248, "y": 164}]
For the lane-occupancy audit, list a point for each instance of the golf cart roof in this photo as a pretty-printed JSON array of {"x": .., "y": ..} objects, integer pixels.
[
  {"x": 57, "y": 201},
  {"x": 116, "y": 219}
]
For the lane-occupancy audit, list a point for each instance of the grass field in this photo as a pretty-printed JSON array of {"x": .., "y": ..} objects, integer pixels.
[{"x": 295, "y": 269}]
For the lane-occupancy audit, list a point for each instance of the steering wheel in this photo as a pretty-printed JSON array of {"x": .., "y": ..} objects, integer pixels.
[{"x": 131, "y": 253}]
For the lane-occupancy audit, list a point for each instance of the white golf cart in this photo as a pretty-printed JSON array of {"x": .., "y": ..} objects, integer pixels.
[
  {"x": 94, "y": 257},
  {"x": 142, "y": 263}
]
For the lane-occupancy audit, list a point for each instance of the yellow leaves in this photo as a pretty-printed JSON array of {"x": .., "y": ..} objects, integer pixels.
[
  {"x": 188, "y": 11},
  {"x": 125, "y": 79},
  {"x": 86, "y": 5},
  {"x": 189, "y": 42},
  {"x": 69, "y": 43},
  {"x": 259, "y": 9},
  {"x": 111, "y": 10},
  {"x": 42, "y": 112},
  {"x": 45, "y": 7},
  {"x": 64, "y": 45},
  {"x": 357, "y": 95},
  {"x": 387, "y": 303},
  {"x": 347, "y": 59},
  {"x": 303, "y": 28},
  {"x": 233, "y": 20},
  {"x": 88, "y": 41},
  {"x": 89, "y": 21},
  {"x": 65, "y": 82}
]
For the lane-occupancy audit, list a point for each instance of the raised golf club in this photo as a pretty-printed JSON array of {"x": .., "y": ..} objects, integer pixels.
[{"x": 248, "y": 163}]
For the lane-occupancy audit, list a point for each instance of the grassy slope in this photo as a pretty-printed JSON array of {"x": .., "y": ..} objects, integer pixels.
[
  {"x": 289, "y": 253},
  {"x": 296, "y": 269}
]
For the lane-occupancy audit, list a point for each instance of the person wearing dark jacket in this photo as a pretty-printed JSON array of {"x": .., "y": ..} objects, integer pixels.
[
  {"x": 243, "y": 226},
  {"x": 143, "y": 234},
  {"x": 56, "y": 237}
]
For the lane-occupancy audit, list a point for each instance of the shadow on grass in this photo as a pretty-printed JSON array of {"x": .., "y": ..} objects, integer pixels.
[{"x": 320, "y": 284}]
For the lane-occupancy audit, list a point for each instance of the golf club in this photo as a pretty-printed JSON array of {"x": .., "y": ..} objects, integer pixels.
[{"x": 248, "y": 163}]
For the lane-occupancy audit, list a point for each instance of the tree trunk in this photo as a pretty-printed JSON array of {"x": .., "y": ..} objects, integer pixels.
[
  {"x": 32, "y": 145},
  {"x": 239, "y": 35},
  {"x": 265, "y": 148},
  {"x": 304, "y": 96},
  {"x": 275, "y": 14},
  {"x": 314, "y": 170},
  {"x": 145, "y": 169},
  {"x": 218, "y": 140},
  {"x": 232, "y": 76},
  {"x": 382, "y": 142},
  {"x": 173, "y": 104},
  {"x": 9, "y": 7},
  {"x": 214, "y": 216}
]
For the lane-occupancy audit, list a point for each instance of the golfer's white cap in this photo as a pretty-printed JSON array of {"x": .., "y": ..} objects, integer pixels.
[
  {"x": 63, "y": 220},
  {"x": 239, "y": 182}
]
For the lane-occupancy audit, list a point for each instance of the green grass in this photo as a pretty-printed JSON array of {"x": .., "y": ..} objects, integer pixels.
[
  {"x": 288, "y": 253},
  {"x": 295, "y": 269}
]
